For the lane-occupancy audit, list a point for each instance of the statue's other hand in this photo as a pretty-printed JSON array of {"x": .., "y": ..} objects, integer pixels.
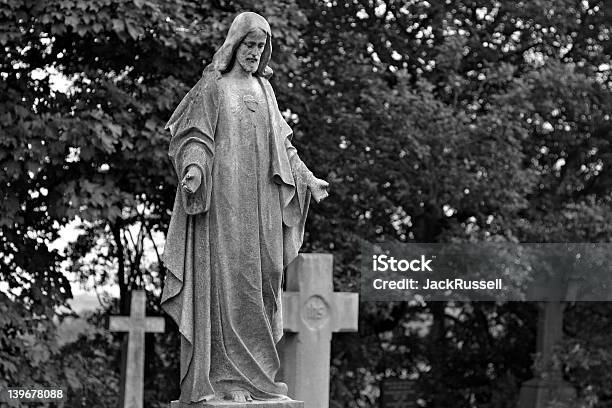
[
  {"x": 318, "y": 188},
  {"x": 192, "y": 180}
]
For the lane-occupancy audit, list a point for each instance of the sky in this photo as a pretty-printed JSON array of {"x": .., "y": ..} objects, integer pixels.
[{"x": 84, "y": 299}]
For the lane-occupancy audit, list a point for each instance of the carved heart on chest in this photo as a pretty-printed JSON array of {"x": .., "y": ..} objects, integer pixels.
[{"x": 250, "y": 102}]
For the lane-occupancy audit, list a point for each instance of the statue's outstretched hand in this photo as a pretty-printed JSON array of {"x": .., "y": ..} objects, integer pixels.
[
  {"x": 192, "y": 180},
  {"x": 318, "y": 188}
]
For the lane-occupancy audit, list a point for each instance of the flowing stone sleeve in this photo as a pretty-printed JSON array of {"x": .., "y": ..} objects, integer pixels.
[
  {"x": 298, "y": 208},
  {"x": 285, "y": 166},
  {"x": 301, "y": 174},
  {"x": 193, "y": 127},
  {"x": 194, "y": 153}
]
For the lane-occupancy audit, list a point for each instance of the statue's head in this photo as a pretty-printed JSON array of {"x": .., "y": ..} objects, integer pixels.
[
  {"x": 248, "y": 53},
  {"x": 248, "y": 43}
]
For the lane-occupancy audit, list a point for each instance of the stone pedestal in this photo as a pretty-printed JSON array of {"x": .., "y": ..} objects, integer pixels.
[
  {"x": 231, "y": 404},
  {"x": 543, "y": 393}
]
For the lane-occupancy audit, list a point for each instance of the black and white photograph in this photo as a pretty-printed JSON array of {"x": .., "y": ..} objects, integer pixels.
[{"x": 305, "y": 204}]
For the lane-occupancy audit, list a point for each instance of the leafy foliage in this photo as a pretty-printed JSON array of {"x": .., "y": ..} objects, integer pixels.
[{"x": 434, "y": 121}]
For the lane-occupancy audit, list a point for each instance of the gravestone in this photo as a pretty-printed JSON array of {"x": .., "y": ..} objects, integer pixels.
[
  {"x": 136, "y": 325},
  {"x": 396, "y": 393},
  {"x": 548, "y": 386},
  {"x": 312, "y": 311},
  {"x": 233, "y": 404}
]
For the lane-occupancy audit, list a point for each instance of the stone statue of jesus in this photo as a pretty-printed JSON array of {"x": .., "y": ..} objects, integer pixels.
[{"x": 238, "y": 221}]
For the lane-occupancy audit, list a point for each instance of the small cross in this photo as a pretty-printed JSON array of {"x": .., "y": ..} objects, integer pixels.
[
  {"x": 312, "y": 311},
  {"x": 136, "y": 325}
]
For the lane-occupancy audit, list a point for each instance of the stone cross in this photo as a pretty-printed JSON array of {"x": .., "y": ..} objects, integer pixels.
[
  {"x": 136, "y": 325},
  {"x": 548, "y": 386},
  {"x": 311, "y": 312}
]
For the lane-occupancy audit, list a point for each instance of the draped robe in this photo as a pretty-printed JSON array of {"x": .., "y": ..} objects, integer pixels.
[{"x": 229, "y": 242}]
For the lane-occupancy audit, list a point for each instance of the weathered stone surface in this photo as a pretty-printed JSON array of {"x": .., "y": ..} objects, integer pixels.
[
  {"x": 544, "y": 393},
  {"x": 398, "y": 393},
  {"x": 238, "y": 221},
  {"x": 231, "y": 404},
  {"x": 312, "y": 311},
  {"x": 136, "y": 325},
  {"x": 548, "y": 387}
]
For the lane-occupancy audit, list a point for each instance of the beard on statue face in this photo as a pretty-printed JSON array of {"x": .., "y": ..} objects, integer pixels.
[{"x": 249, "y": 52}]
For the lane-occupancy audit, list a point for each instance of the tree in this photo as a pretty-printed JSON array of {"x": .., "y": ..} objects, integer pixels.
[
  {"x": 434, "y": 122},
  {"x": 92, "y": 148},
  {"x": 475, "y": 120}
]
